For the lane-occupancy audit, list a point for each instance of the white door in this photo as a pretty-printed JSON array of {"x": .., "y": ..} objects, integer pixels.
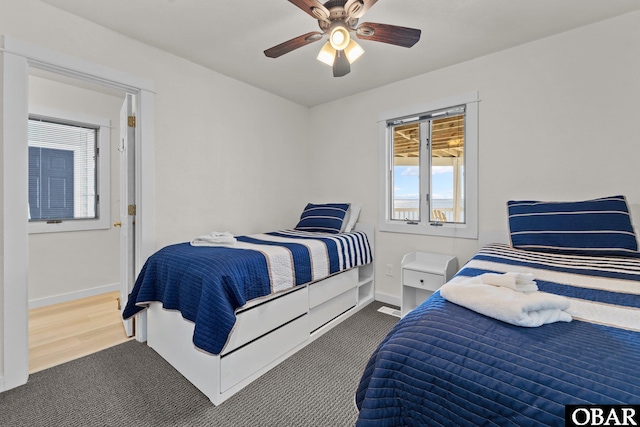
[{"x": 127, "y": 205}]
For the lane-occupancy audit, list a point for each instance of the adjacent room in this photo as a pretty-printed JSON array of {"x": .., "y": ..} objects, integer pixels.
[
  {"x": 353, "y": 212},
  {"x": 74, "y": 269}
]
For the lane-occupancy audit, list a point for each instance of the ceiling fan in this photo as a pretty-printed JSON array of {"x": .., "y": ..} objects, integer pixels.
[{"x": 339, "y": 20}]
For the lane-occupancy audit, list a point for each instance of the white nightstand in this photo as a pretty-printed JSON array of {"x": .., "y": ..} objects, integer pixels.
[{"x": 422, "y": 274}]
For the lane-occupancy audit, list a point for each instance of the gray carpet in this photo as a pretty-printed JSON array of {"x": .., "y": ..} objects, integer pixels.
[{"x": 130, "y": 385}]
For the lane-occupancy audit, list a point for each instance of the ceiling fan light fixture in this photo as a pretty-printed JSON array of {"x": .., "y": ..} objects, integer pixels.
[
  {"x": 339, "y": 37},
  {"x": 327, "y": 54},
  {"x": 353, "y": 51}
]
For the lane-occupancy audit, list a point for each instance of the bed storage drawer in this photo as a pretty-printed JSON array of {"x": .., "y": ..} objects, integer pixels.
[
  {"x": 331, "y": 287},
  {"x": 261, "y": 319},
  {"x": 249, "y": 359},
  {"x": 325, "y": 312}
]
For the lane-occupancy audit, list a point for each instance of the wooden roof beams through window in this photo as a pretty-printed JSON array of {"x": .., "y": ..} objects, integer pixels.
[{"x": 447, "y": 138}]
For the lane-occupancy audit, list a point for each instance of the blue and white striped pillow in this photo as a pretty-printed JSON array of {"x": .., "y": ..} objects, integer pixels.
[
  {"x": 590, "y": 227},
  {"x": 324, "y": 218}
]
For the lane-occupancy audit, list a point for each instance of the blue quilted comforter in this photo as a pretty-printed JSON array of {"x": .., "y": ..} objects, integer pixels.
[
  {"x": 443, "y": 364},
  {"x": 209, "y": 283}
]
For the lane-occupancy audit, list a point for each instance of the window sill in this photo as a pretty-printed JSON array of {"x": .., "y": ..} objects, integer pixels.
[
  {"x": 464, "y": 231},
  {"x": 70, "y": 225}
]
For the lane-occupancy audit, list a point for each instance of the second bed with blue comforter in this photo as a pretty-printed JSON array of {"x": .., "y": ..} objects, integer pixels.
[
  {"x": 208, "y": 284},
  {"x": 445, "y": 365}
]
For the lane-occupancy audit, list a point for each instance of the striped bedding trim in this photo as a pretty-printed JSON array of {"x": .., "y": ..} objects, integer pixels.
[
  {"x": 279, "y": 261},
  {"x": 353, "y": 247},
  {"x": 613, "y": 267},
  {"x": 602, "y": 290},
  {"x": 352, "y": 250}
]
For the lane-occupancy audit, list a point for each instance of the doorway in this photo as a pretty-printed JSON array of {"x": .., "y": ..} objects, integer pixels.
[
  {"x": 75, "y": 217},
  {"x": 16, "y": 60}
]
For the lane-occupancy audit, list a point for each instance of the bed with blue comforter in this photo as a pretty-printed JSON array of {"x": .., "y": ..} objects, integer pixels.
[
  {"x": 208, "y": 284},
  {"x": 446, "y": 365}
]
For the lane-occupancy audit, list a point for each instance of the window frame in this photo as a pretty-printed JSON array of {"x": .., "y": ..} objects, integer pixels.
[
  {"x": 103, "y": 185},
  {"x": 469, "y": 229}
]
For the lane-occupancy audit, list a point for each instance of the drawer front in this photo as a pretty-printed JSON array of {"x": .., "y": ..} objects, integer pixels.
[
  {"x": 327, "y": 311},
  {"x": 249, "y": 359},
  {"x": 259, "y": 320},
  {"x": 331, "y": 287},
  {"x": 422, "y": 280}
]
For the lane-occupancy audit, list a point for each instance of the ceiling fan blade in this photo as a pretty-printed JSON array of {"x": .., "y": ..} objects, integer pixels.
[
  {"x": 341, "y": 66},
  {"x": 293, "y": 44},
  {"x": 392, "y": 34},
  {"x": 313, "y": 8}
]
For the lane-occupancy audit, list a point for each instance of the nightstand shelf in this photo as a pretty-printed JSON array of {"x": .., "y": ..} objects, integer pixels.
[{"x": 422, "y": 274}]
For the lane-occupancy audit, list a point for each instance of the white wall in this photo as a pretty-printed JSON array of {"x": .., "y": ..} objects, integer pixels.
[
  {"x": 235, "y": 159},
  {"x": 558, "y": 121},
  {"x": 68, "y": 263}
]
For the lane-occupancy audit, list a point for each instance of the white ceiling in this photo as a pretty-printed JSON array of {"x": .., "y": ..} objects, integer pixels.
[{"x": 229, "y": 36}]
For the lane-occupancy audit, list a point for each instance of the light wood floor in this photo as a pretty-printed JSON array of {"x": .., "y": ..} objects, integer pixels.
[{"x": 62, "y": 332}]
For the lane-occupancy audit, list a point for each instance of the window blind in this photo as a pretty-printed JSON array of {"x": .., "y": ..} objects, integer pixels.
[{"x": 62, "y": 159}]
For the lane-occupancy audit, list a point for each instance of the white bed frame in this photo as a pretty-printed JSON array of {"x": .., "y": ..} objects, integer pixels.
[{"x": 267, "y": 331}]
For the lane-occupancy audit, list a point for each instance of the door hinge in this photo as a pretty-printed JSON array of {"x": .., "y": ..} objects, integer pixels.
[
  {"x": 131, "y": 209},
  {"x": 131, "y": 121}
]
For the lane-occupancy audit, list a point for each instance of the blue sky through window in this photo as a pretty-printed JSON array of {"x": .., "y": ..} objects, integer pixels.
[{"x": 407, "y": 182}]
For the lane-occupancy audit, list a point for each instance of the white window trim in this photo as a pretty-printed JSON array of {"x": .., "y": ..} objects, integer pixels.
[
  {"x": 469, "y": 229},
  {"x": 103, "y": 222}
]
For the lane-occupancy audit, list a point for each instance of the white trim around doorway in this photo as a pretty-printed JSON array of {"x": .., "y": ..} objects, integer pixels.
[{"x": 16, "y": 58}]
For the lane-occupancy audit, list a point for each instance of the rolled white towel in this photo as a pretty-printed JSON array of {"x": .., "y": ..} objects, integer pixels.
[
  {"x": 529, "y": 309},
  {"x": 521, "y": 282},
  {"x": 215, "y": 238}
]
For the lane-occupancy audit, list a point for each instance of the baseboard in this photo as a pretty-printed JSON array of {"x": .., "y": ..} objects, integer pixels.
[
  {"x": 56, "y": 299},
  {"x": 388, "y": 299}
]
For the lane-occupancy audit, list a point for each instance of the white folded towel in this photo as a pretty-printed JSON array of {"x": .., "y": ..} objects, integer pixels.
[
  {"x": 521, "y": 282},
  {"x": 529, "y": 309},
  {"x": 215, "y": 238}
]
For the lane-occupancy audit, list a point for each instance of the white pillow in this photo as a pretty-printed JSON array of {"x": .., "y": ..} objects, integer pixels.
[{"x": 351, "y": 217}]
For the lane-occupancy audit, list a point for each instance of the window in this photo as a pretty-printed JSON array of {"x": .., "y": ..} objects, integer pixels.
[
  {"x": 68, "y": 172},
  {"x": 428, "y": 168}
]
